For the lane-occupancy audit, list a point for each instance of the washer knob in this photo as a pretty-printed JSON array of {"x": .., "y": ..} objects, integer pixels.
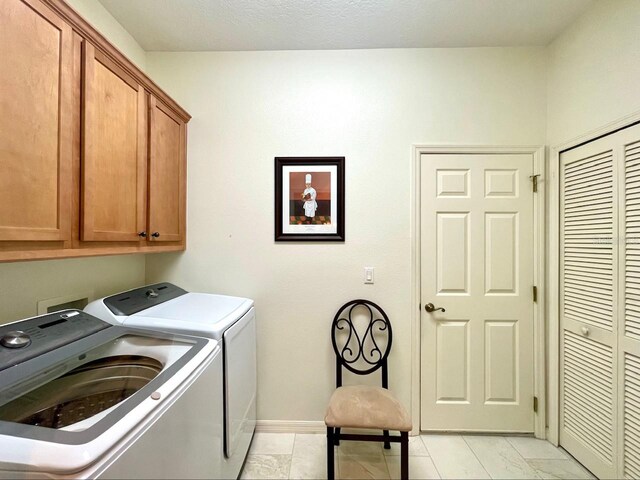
[{"x": 15, "y": 339}]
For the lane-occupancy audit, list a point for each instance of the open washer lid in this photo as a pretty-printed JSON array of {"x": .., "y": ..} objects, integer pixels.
[
  {"x": 200, "y": 314},
  {"x": 79, "y": 386}
]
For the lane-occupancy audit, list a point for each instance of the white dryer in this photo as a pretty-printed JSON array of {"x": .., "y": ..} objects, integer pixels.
[
  {"x": 229, "y": 320},
  {"x": 81, "y": 398}
]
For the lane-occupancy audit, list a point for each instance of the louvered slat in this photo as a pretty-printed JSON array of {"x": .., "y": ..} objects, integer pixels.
[
  {"x": 632, "y": 239},
  {"x": 631, "y": 416},
  {"x": 586, "y": 164},
  {"x": 587, "y": 297},
  {"x": 587, "y": 234},
  {"x": 588, "y": 393}
]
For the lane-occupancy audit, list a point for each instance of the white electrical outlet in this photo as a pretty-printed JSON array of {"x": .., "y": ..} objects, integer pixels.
[{"x": 368, "y": 274}]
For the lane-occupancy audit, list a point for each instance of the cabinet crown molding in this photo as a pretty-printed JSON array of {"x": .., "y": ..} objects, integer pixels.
[{"x": 88, "y": 32}]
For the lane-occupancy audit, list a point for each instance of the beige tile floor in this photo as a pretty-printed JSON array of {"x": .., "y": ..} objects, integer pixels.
[{"x": 288, "y": 455}]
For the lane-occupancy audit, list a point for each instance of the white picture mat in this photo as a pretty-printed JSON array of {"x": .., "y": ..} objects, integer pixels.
[{"x": 286, "y": 214}]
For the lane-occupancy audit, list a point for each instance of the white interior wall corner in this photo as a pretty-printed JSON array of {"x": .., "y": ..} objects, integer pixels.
[{"x": 105, "y": 23}]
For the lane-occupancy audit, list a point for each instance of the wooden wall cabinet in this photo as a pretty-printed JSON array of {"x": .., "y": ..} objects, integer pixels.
[
  {"x": 167, "y": 175},
  {"x": 114, "y": 151},
  {"x": 92, "y": 152},
  {"x": 35, "y": 123}
]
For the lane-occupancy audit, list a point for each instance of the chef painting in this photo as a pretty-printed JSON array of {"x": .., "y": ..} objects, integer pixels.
[{"x": 309, "y": 200}]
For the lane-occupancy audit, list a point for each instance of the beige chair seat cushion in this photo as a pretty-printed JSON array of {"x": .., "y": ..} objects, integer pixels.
[{"x": 362, "y": 406}]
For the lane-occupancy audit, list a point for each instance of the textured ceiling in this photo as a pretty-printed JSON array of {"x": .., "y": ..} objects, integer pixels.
[{"x": 200, "y": 25}]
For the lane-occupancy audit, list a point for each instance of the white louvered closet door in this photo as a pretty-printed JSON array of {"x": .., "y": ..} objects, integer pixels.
[
  {"x": 588, "y": 306},
  {"x": 600, "y": 304},
  {"x": 629, "y": 336}
]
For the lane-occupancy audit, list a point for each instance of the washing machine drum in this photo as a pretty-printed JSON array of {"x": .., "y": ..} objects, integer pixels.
[{"x": 83, "y": 392}]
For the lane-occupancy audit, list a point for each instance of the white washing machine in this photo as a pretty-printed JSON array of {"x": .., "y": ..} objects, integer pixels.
[
  {"x": 229, "y": 320},
  {"x": 80, "y": 398}
]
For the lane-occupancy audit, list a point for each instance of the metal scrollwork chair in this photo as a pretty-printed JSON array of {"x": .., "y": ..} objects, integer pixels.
[{"x": 361, "y": 337}]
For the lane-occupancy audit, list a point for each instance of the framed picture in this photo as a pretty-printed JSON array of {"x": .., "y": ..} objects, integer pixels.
[{"x": 309, "y": 199}]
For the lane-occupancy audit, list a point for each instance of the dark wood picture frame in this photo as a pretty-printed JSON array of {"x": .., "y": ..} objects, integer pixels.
[{"x": 313, "y": 235}]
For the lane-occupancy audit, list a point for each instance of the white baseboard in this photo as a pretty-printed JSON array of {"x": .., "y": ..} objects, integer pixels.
[{"x": 290, "y": 426}]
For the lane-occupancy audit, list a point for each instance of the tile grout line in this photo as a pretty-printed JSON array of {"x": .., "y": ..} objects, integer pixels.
[
  {"x": 516, "y": 450},
  {"x": 387, "y": 464},
  {"x": 565, "y": 459},
  {"x": 542, "y": 458},
  {"x": 514, "y": 447},
  {"x": 522, "y": 456},
  {"x": 576, "y": 461},
  {"x": 475, "y": 455},
  {"x": 430, "y": 456},
  {"x": 293, "y": 448}
]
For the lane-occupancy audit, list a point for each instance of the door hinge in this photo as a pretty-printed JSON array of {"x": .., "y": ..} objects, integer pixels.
[
  {"x": 535, "y": 404},
  {"x": 534, "y": 179},
  {"x": 535, "y": 293},
  {"x": 419, "y": 307}
]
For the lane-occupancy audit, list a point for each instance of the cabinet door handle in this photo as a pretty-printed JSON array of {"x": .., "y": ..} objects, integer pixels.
[
  {"x": 155, "y": 234},
  {"x": 142, "y": 234}
]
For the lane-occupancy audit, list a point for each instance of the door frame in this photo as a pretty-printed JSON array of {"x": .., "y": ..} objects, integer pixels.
[
  {"x": 553, "y": 433},
  {"x": 539, "y": 270}
]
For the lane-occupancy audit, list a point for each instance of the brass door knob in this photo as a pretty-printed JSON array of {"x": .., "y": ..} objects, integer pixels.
[{"x": 429, "y": 307}]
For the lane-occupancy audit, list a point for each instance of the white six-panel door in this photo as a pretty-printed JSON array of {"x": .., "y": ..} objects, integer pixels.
[
  {"x": 600, "y": 304},
  {"x": 477, "y": 263}
]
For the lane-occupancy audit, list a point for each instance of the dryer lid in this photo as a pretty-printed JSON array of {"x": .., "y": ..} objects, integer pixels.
[{"x": 201, "y": 314}]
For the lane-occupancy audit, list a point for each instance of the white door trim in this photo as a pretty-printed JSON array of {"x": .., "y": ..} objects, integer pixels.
[
  {"x": 538, "y": 152},
  {"x": 554, "y": 264}
]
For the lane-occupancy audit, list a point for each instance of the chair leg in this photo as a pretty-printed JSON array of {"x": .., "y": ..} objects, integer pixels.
[
  {"x": 330, "y": 460},
  {"x": 387, "y": 444},
  {"x": 404, "y": 455},
  {"x": 337, "y": 437}
]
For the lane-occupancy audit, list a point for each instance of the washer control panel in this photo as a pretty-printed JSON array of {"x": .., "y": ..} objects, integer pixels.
[
  {"x": 26, "y": 339},
  {"x": 135, "y": 301}
]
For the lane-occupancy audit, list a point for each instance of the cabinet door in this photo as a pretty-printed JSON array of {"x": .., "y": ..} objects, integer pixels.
[
  {"x": 167, "y": 138},
  {"x": 114, "y": 151},
  {"x": 35, "y": 122}
]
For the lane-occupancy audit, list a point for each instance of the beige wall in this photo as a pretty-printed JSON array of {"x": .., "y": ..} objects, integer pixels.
[
  {"x": 594, "y": 70},
  {"x": 368, "y": 105},
  {"x": 23, "y": 284}
]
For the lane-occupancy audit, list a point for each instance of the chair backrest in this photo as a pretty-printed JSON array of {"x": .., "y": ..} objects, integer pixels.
[{"x": 361, "y": 337}]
